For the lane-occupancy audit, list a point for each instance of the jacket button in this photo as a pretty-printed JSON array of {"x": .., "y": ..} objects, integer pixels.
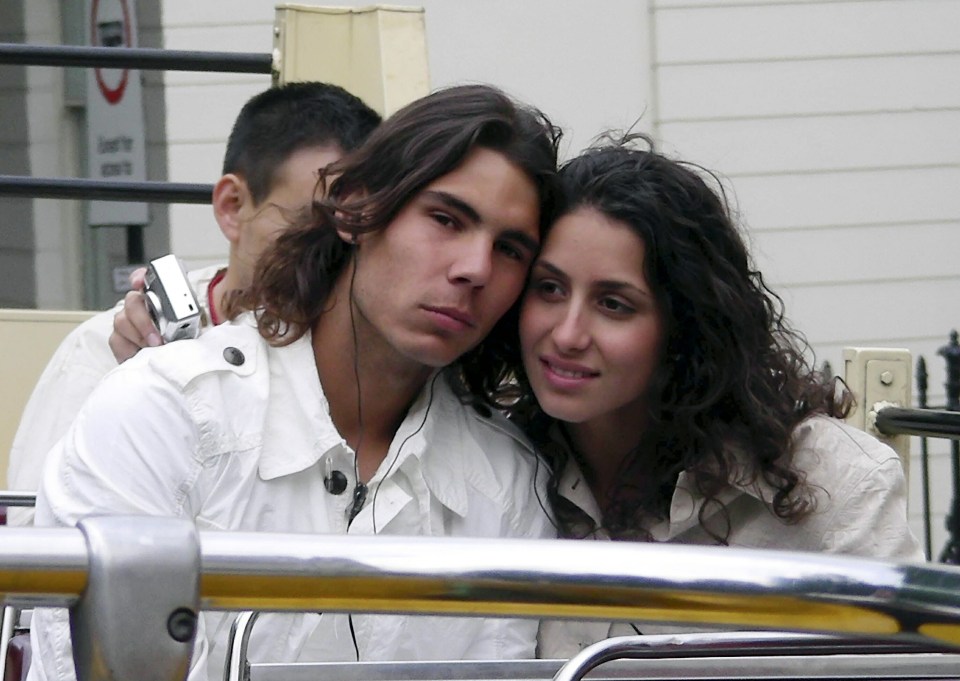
[
  {"x": 233, "y": 356},
  {"x": 335, "y": 483}
]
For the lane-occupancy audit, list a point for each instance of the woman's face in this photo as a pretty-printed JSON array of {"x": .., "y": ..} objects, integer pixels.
[{"x": 590, "y": 326}]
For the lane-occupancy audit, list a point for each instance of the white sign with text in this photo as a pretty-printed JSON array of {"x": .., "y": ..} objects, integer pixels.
[{"x": 115, "y": 131}]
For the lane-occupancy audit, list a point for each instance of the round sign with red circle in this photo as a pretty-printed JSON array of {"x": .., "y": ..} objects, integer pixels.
[{"x": 110, "y": 31}]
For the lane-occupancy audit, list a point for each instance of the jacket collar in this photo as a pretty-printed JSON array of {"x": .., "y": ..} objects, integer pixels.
[
  {"x": 439, "y": 435},
  {"x": 685, "y": 504},
  {"x": 294, "y": 404},
  {"x": 453, "y": 460}
]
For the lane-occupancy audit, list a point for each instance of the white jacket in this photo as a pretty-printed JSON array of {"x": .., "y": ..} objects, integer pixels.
[
  {"x": 861, "y": 510},
  {"x": 194, "y": 430},
  {"x": 80, "y": 362}
]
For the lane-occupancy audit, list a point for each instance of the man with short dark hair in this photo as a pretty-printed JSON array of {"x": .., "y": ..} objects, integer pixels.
[{"x": 280, "y": 141}]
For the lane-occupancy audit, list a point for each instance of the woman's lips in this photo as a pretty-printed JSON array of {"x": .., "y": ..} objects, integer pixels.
[{"x": 564, "y": 374}]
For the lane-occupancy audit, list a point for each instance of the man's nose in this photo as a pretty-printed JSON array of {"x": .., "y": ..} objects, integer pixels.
[{"x": 473, "y": 260}]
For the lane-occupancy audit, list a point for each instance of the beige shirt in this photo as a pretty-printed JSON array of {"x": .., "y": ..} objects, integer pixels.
[{"x": 861, "y": 509}]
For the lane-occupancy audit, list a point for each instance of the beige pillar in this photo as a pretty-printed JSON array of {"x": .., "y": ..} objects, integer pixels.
[{"x": 378, "y": 53}]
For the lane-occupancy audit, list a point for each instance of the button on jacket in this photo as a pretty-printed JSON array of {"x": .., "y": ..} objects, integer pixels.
[
  {"x": 248, "y": 445},
  {"x": 861, "y": 510}
]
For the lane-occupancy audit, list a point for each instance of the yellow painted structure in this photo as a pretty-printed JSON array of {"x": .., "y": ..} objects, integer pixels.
[
  {"x": 378, "y": 53},
  {"x": 28, "y": 338}
]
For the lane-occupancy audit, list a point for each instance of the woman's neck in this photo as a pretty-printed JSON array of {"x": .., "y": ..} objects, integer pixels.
[{"x": 603, "y": 450}]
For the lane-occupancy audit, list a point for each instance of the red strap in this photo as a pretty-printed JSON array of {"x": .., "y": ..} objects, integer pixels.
[{"x": 217, "y": 278}]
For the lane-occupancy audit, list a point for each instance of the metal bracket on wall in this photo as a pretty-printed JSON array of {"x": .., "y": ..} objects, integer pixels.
[{"x": 879, "y": 377}]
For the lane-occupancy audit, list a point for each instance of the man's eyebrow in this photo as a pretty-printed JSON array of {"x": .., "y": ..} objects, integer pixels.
[
  {"x": 454, "y": 202},
  {"x": 461, "y": 206},
  {"x": 522, "y": 239}
]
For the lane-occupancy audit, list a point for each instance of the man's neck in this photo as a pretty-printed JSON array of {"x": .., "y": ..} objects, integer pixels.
[{"x": 368, "y": 386}]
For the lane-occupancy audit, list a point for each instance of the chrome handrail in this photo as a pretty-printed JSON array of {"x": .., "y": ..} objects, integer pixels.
[{"x": 608, "y": 580}]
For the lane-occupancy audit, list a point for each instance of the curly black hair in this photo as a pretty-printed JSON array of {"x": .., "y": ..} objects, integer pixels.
[{"x": 733, "y": 375}]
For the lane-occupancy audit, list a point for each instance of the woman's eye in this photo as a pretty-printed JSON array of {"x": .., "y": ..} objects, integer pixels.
[
  {"x": 615, "y": 305},
  {"x": 546, "y": 288}
]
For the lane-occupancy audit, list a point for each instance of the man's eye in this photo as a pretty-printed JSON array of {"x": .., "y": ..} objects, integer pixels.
[
  {"x": 444, "y": 219},
  {"x": 511, "y": 251}
]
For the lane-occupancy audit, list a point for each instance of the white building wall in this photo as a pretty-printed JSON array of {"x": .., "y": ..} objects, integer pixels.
[
  {"x": 836, "y": 123},
  {"x": 588, "y": 70}
]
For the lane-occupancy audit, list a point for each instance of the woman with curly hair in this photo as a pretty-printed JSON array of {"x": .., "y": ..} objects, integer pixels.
[{"x": 670, "y": 395}]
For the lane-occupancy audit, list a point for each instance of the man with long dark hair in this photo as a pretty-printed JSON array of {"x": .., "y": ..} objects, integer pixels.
[{"x": 347, "y": 394}]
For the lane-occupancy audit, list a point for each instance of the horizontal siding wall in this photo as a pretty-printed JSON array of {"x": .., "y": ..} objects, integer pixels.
[
  {"x": 836, "y": 126},
  {"x": 537, "y": 50},
  {"x": 201, "y": 108}
]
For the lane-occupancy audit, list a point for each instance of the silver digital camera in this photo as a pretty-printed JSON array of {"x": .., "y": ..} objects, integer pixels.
[{"x": 170, "y": 299}]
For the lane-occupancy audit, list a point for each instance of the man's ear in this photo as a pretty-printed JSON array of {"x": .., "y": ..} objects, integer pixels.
[
  {"x": 348, "y": 236},
  {"x": 230, "y": 194}
]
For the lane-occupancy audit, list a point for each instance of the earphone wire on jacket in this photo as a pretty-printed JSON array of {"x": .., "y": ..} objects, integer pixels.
[
  {"x": 396, "y": 456},
  {"x": 360, "y": 488}
]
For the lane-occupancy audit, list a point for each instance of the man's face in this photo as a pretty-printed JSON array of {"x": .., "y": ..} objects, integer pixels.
[
  {"x": 432, "y": 284},
  {"x": 293, "y": 190}
]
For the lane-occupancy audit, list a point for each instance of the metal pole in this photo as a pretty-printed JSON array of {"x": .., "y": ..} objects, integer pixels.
[
  {"x": 104, "y": 190},
  {"x": 624, "y": 581},
  {"x": 924, "y": 462},
  {"x": 135, "y": 58},
  {"x": 928, "y": 422},
  {"x": 25, "y": 499},
  {"x": 951, "y": 353}
]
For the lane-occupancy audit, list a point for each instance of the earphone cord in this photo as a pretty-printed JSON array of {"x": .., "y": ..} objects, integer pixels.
[
  {"x": 423, "y": 422},
  {"x": 360, "y": 490}
]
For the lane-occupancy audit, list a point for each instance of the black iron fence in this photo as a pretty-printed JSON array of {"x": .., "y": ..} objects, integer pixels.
[
  {"x": 131, "y": 58},
  {"x": 941, "y": 421}
]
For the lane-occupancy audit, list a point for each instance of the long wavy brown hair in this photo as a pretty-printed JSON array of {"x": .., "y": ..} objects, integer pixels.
[
  {"x": 733, "y": 375},
  {"x": 367, "y": 188}
]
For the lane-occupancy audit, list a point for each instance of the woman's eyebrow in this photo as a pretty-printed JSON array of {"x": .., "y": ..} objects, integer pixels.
[
  {"x": 551, "y": 268},
  {"x": 606, "y": 284}
]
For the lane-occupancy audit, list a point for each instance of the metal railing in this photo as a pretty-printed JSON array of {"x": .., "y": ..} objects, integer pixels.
[
  {"x": 135, "y": 58},
  {"x": 132, "y": 58},
  {"x": 729, "y": 655},
  {"x": 21, "y": 499},
  {"x": 926, "y": 423},
  {"x": 611, "y": 581}
]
